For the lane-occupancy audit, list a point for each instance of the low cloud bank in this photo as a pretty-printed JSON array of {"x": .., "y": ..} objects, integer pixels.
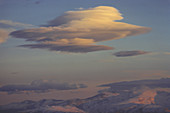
[{"x": 40, "y": 86}]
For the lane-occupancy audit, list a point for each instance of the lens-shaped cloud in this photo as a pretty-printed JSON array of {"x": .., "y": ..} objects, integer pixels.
[
  {"x": 82, "y": 28},
  {"x": 130, "y": 53}
]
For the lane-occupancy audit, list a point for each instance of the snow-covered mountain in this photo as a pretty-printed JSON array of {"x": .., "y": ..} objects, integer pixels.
[{"x": 142, "y": 96}]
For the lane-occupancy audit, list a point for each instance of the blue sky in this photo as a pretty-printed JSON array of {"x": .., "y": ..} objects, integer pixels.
[{"x": 19, "y": 65}]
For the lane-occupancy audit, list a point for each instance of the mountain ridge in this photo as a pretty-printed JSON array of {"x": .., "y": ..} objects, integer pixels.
[{"x": 142, "y": 96}]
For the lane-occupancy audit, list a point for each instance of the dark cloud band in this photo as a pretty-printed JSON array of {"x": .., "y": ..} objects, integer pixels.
[
  {"x": 40, "y": 86},
  {"x": 69, "y": 48},
  {"x": 130, "y": 53}
]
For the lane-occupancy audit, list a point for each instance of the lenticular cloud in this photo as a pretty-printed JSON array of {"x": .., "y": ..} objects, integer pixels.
[
  {"x": 79, "y": 31},
  {"x": 130, "y": 53}
]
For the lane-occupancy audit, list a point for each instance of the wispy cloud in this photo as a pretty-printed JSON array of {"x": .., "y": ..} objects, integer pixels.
[
  {"x": 7, "y": 26},
  {"x": 40, "y": 86},
  {"x": 130, "y": 53},
  {"x": 73, "y": 28},
  {"x": 167, "y": 53}
]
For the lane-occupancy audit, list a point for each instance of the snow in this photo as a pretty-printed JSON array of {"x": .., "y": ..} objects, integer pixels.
[
  {"x": 145, "y": 96},
  {"x": 65, "y": 109}
]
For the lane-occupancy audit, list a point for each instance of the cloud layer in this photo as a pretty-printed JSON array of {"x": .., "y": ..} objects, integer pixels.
[
  {"x": 80, "y": 30},
  {"x": 130, "y": 53},
  {"x": 69, "y": 48},
  {"x": 40, "y": 86}
]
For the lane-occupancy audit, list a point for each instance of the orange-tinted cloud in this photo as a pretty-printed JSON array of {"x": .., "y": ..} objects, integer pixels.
[
  {"x": 7, "y": 26},
  {"x": 80, "y": 28},
  {"x": 3, "y": 35}
]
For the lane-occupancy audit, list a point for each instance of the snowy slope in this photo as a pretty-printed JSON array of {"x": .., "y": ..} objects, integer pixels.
[{"x": 142, "y": 96}]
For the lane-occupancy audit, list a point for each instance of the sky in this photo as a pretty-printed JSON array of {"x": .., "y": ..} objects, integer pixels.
[{"x": 61, "y": 44}]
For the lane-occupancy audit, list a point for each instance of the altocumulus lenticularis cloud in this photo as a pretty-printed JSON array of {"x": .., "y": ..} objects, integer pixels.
[
  {"x": 130, "y": 53},
  {"x": 79, "y": 31}
]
